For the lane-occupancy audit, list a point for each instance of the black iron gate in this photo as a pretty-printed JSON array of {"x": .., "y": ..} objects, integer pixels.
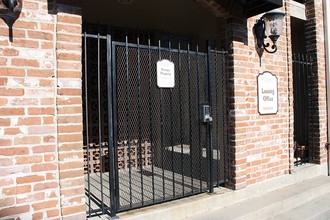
[
  {"x": 304, "y": 108},
  {"x": 144, "y": 144}
]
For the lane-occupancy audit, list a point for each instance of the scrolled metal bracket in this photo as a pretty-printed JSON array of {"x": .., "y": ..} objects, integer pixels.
[
  {"x": 259, "y": 29},
  {"x": 9, "y": 12}
]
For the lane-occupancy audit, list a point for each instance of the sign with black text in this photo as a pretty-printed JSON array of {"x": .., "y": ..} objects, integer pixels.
[
  {"x": 267, "y": 93},
  {"x": 165, "y": 74}
]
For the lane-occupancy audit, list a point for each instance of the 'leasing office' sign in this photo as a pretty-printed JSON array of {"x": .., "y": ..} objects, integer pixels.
[{"x": 267, "y": 93}]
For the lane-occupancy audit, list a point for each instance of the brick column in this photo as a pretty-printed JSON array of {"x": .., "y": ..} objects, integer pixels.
[
  {"x": 69, "y": 111},
  {"x": 260, "y": 145},
  {"x": 237, "y": 29},
  {"x": 318, "y": 111},
  {"x": 29, "y": 186},
  {"x": 286, "y": 40},
  {"x": 41, "y": 162}
]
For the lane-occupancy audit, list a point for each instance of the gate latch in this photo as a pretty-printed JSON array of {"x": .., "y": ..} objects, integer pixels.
[{"x": 206, "y": 113}]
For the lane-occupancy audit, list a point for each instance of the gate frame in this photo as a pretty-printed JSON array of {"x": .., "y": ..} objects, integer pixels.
[{"x": 112, "y": 118}]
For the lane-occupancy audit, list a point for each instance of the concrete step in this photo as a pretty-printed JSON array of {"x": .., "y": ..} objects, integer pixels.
[
  {"x": 266, "y": 205},
  {"x": 203, "y": 204},
  {"x": 316, "y": 209}
]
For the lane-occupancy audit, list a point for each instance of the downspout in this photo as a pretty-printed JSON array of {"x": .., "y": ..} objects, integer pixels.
[{"x": 326, "y": 11}]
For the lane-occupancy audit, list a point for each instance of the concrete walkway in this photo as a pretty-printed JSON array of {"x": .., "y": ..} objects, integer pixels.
[
  {"x": 309, "y": 199},
  {"x": 302, "y": 195}
]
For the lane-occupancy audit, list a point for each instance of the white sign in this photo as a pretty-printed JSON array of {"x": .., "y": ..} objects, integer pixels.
[
  {"x": 267, "y": 93},
  {"x": 165, "y": 74}
]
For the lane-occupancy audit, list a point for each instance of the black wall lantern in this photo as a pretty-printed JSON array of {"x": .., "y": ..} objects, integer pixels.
[
  {"x": 271, "y": 25},
  {"x": 9, "y": 12}
]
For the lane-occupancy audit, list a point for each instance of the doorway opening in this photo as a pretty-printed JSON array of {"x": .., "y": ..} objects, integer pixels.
[{"x": 304, "y": 97}]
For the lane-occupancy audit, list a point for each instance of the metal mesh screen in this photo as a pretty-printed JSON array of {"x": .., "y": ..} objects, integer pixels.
[
  {"x": 161, "y": 149},
  {"x": 167, "y": 119}
]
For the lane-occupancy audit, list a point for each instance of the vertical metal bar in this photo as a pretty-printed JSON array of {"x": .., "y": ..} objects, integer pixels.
[
  {"x": 115, "y": 125},
  {"x": 110, "y": 127},
  {"x": 190, "y": 120},
  {"x": 224, "y": 115},
  {"x": 99, "y": 114},
  {"x": 161, "y": 127},
  {"x": 306, "y": 104},
  {"x": 303, "y": 107},
  {"x": 301, "y": 99},
  {"x": 140, "y": 115},
  {"x": 172, "y": 144},
  {"x": 210, "y": 147},
  {"x": 206, "y": 95},
  {"x": 306, "y": 131},
  {"x": 294, "y": 92},
  {"x": 298, "y": 64},
  {"x": 216, "y": 110},
  {"x": 150, "y": 122},
  {"x": 87, "y": 125},
  {"x": 295, "y": 100},
  {"x": 128, "y": 121},
  {"x": 310, "y": 109},
  {"x": 300, "y": 73},
  {"x": 298, "y": 98},
  {"x": 304, "y": 76},
  {"x": 311, "y": 84},
  {"x": 199, "y": 124},
  {"x": 181, "y": 114}
]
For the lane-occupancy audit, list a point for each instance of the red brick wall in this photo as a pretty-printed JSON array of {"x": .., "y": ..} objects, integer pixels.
[
  {"x": 41, "y": 165},
  {"x": 261, "y": 146},
  {"x": 69, "y": 110},
  {"x": 316, "y": 49}
]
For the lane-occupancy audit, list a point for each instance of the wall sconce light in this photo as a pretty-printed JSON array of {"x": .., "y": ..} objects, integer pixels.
[
  {"x": 9, "y": 12},
  {"x": 271, "y": 25},
  {"x": 11, "y": 8}
]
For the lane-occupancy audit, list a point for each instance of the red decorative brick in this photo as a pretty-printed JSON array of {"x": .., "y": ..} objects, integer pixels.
[
  {"x": 14, "y": 151},
  {"x": 29, "y": 159},
  {"x": 14, "y": 210},
  {"x": 9, "y": 191},
  {"x": 7, "y": 202},
  {"x": 29, "y": 179},
  {"x": 44, "y": 167},
  {"x": 11, "y": 111},
  {"x": 45, "y": 205}
]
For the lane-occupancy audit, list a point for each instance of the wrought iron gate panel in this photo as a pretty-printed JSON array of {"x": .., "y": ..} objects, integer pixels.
[
  {"x": 219, "y": 133},
  {"x": 175, "y": 156},
  {"x": 143, "y": 144},
  {"x": 304, "y": 108}
]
